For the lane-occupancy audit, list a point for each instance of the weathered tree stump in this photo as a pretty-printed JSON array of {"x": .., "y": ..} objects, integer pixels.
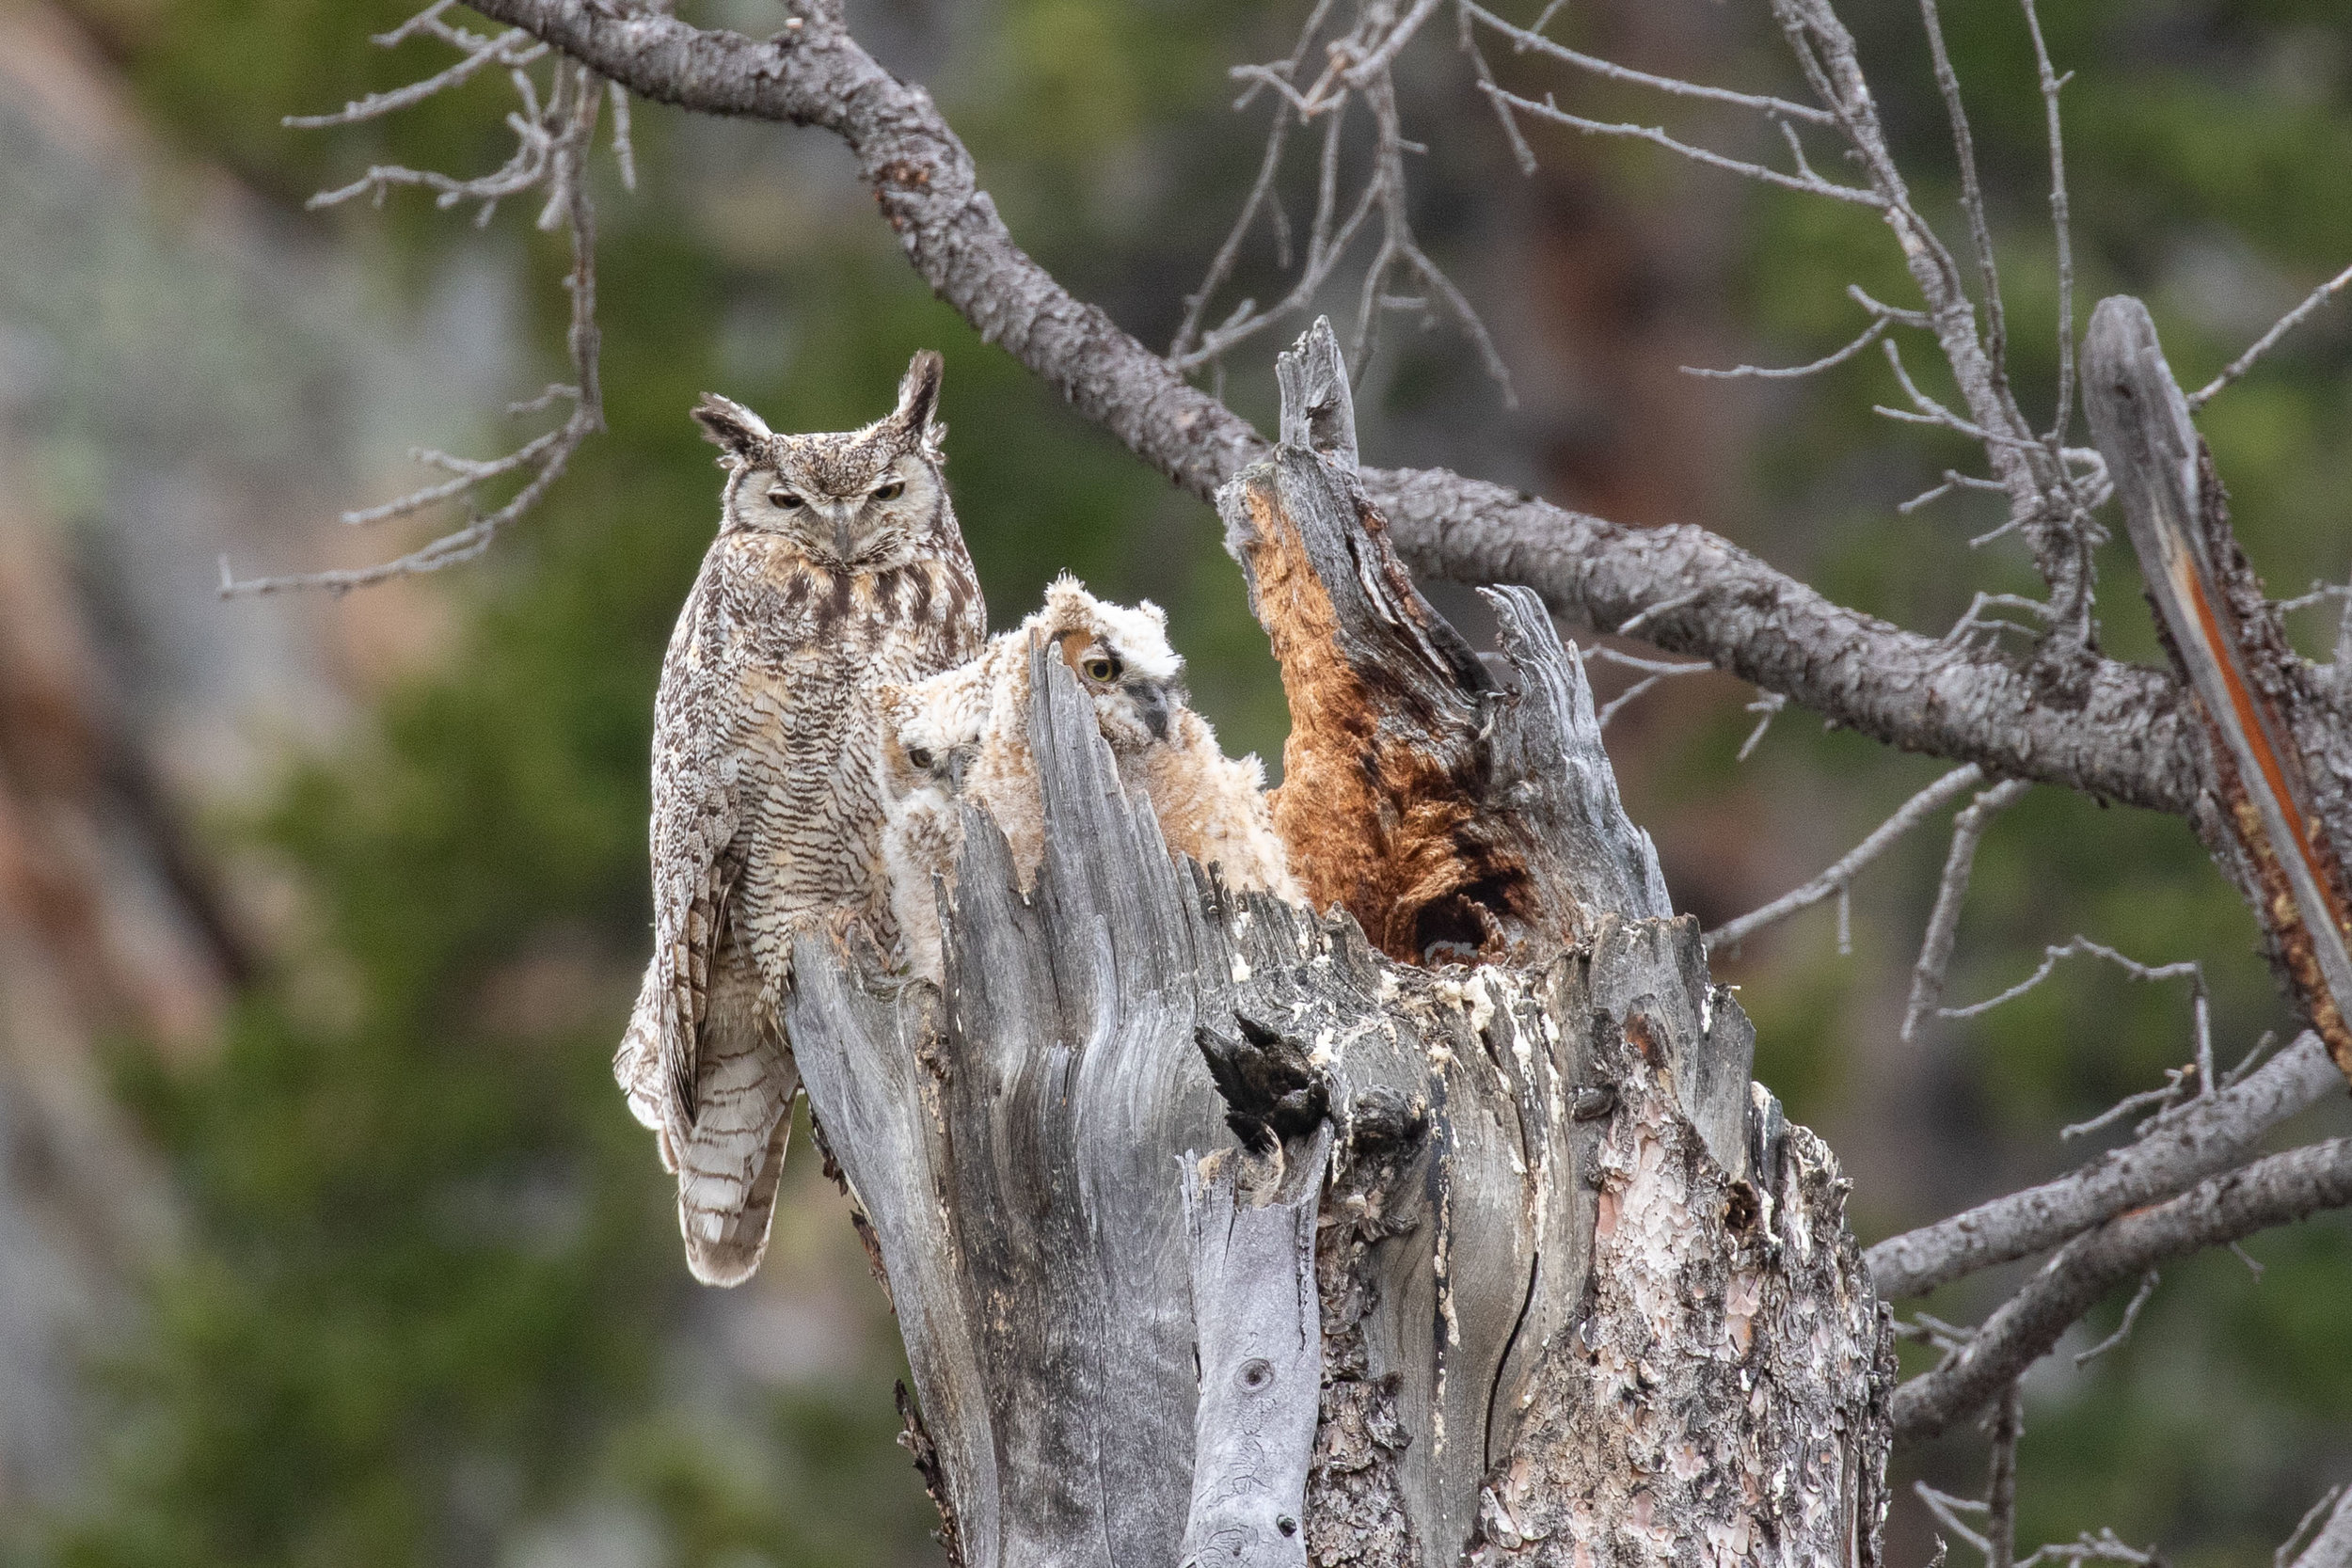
[{"x": 1576, "y": 1294}]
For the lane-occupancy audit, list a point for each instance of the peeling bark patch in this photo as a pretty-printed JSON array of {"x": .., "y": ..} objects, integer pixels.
[
  {"x": 2291, "y": 946},
  {"x": 1355, "y": 1513}
]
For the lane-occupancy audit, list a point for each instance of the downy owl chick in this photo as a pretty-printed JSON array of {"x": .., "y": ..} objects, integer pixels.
[
  {"x": 838, "y": 568},
  {"x": 926, "y": 748},
  {"x": 973, "y": 722}
]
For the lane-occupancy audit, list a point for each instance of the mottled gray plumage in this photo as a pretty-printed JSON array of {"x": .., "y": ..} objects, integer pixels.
[{"x": 838, "y": 568}]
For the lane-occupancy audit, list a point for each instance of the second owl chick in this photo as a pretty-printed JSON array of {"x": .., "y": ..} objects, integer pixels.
[{"x": 963, "y": 734}]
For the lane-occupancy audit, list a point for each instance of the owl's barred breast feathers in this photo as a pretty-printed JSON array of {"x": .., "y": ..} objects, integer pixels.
[{"x": 838, "y": 568}]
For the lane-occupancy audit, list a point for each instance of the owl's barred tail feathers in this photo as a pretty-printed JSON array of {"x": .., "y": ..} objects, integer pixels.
[
  {"x": 729, "y": 1159},
  {"x": 729, "y": 1162}
]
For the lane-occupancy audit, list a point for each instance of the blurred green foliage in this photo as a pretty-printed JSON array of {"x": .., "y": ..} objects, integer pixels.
[{"x": 432, "y": 1275}]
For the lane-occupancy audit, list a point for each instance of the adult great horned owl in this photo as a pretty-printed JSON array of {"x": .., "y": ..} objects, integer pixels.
[
  {"x": 838, "y": 568},
  {"x": 963, "y": 735}
]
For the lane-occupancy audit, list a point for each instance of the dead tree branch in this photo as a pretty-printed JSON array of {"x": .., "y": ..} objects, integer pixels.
[
  {"x": 2276, "y": 1191},
  {"x": 553, "y": 136},
  {"x": 2277, "y": 817},
  {"x": 2207, "y": 1136},
  {"x": 2126, "y": 742}
]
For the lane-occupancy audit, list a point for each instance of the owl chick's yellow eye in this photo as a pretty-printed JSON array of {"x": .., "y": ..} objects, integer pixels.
[
  {"x": 1101, "y": 667},
  {"x": 784, "y": 499},
  {"x": 891, "y": 491},
  {"x": 919, "y": 758}
]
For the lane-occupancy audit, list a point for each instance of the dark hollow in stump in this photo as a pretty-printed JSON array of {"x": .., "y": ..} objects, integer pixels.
[{"x": 1578, "y": 1293}]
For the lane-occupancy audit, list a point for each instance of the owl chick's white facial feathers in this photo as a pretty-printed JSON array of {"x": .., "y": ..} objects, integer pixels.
[
  {"x": 932, "y": 732},
  {"x": 1120, "y": 655}
]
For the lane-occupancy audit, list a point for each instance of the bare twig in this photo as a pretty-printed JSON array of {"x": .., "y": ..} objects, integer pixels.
[
  {"x": 1840, "y": 876},
  {"x": 1953, "y": 480},
  {"x": 1609, "y": 710},
  {"x": 1358, "y": 71},
  {"x": 2061, "y": 225},
  {"x": 1372, "y": 65},
  {"x": 2123, "y": 1330},
  {"x": 552, "y": 140},
  {"x": 1810, "y": 184},
  {"x": 1767, "y": 706},
  {"x": 2102, "y": 1547},
  {"x": 2269, "y": 340},
  {"x": 1525, "y": 40},
  {"x": 2051, "y": 957},
  {"x": 1828, "y": 361},
  {"x": 1972, "y": 204},
  {"x": 2000, "y": 1495},
  {"x": 513, "y": 48},
  {"x": 2321, "y": 592},
  {"x": 1647, "y": 666},
  {"x": 1935, "y": 948},
  {"x": 1947, "y": 1509}
]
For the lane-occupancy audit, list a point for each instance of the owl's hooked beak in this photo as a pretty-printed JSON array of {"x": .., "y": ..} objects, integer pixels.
[
  {"x": 956, "y": 758},
  {"x": 842, "y": 516},
  {"x": 1151, "y": 702}
]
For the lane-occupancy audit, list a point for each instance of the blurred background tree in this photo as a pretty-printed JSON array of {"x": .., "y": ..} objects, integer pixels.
[{"x": 358, "y": 1259}]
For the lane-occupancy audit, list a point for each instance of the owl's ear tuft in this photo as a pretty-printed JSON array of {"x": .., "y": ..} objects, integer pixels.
[
  {"x": 739, "y": 433},
  {"x": 917, "y": 413}
]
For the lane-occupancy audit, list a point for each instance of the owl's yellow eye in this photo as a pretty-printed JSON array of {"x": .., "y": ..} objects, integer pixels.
[
  {"x": 1101, "y": 667},
  {"x": 784, "y": 499},
  {"x": 891, "y": 491}
]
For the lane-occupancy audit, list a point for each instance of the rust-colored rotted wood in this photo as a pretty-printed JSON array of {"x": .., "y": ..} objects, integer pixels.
[{"x": 1450, "y": 810}]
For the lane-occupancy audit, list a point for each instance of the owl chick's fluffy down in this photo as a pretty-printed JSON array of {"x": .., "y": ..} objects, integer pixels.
[{"x": 963, "y": 735}]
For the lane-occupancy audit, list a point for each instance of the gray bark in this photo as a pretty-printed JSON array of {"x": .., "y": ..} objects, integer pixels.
[
  {"x": 2333, "y": 1546},
  {"x": 1575, "y": 1292},
  {"x": 1259, "y": 1331},
  {"x": 2118, "y": 734}
]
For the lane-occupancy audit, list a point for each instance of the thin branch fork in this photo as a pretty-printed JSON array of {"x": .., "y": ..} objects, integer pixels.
[
  {"x": 1839, "y": 878},
  {"x": 1935, "y": 946},
  {"x": 1356, "y": 70},
  {"x": 2272, "y": 1192}
]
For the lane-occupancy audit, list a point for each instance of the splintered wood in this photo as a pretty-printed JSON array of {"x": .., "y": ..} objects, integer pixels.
[{"x": 2277, "y": 751}]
